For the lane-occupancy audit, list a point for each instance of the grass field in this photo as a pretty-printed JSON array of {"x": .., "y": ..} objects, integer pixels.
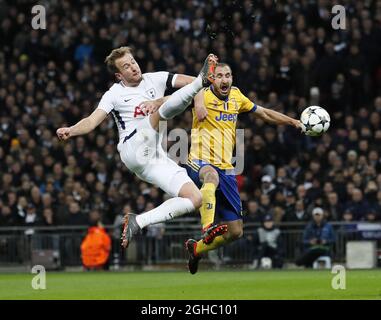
[{"x": 246, "y": 285}]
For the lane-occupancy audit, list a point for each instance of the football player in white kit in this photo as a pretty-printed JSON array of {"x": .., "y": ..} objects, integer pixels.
[{"x": 139, "y": 139}]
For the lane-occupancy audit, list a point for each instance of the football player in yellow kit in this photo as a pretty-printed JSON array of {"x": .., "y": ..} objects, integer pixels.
[{"x": 210, "y": 159}]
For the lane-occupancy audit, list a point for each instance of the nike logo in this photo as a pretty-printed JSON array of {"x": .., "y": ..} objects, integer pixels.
[{"x": 127, "y": 100}]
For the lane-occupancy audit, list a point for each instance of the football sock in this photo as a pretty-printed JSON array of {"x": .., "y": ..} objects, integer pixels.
[
  {"x": 180, "y": 99},
  {"x": 168, "y": 210},
  {"x": 208, "y": 207},
  {"x": 217, "y": 242}
]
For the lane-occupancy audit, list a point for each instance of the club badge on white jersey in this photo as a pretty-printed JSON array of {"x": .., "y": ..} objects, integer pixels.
[
  {"x": 124, "y": 102},
  {"x": 152, "y": 93}
]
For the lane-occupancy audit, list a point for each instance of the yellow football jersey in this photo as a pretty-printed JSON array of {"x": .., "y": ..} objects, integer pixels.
[{"x": 213, "y": 140}]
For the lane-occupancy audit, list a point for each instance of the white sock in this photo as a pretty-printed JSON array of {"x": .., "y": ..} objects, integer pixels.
[
  {"x": 180, "y": 99},
  {"x": 168, "y": 210}
]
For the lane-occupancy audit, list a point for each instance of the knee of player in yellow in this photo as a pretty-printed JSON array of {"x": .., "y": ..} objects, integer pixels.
[{"x": 207, "y": 209}]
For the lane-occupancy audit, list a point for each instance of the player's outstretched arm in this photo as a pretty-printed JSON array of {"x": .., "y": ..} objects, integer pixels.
[
  {"x": 84, "y": 126},
  {"x": 275, "y": 117}
]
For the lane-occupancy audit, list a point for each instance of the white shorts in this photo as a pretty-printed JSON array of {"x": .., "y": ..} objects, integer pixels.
[{"x": 143, "y": 154}]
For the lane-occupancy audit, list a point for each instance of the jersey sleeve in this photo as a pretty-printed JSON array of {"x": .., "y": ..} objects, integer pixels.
[
  {"x": 106, "y": 103},
  {"x": 162, "y": 79},
  {"x": 246, "y": 104}
]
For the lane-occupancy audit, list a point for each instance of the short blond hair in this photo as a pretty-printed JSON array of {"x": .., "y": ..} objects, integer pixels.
[{"x": 115, "y": 55}]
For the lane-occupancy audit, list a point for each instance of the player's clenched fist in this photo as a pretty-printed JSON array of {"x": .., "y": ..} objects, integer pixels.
[
  {"x": 149, "y": 107},
  {"x": 63, "y": 133},
  {"x": 201, "y": 112}
]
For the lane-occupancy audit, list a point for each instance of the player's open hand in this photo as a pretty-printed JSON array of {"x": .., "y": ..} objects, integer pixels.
[
  {"x": 149, "y": 107},
  {"x": 297, "y": 124},
  {"x": 201, "y": 113},
  {"x": 63, "y": 133}
]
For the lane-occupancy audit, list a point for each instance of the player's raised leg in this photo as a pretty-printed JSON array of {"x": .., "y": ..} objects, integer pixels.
[
  {"x": 182, "y": 98},
  {"x": 189, "y": 200},
  {"x": 172, "y": 179}
]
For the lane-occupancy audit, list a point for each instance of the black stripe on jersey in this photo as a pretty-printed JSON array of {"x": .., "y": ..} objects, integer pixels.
[
  {"x": 119, "y": 119},
  {"x": 168, "y": 84}
]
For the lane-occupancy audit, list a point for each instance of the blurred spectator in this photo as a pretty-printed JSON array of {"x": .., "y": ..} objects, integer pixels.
[
  {"x": 348, "y": 215},
  {"x": 299, "y": 214},
  {"x": 270, "y": 243},
  {"x": 359, "y": 206},
  {"x": 265, "y": 205},
  {"x": 254, "y": 213},
  {"x": 83, "y": 52},
  {"x": 96, "y": 246},
  {"x": 7, "y": 219},
  {"x": 289, "y": 205},
  {"x": 318, "y": 239},
  {"x": 334, "y": 209},
  {"x": 371, "y": 215},
  {"x": 377, "y": 204},
  {"x": 32, "y": 218},
  {"x": 268, "y": 188},
  {"x": 76, "y": 217},
  {"x": 48, "y": 218}
]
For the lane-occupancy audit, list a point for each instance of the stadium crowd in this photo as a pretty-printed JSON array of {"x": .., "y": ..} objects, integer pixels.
[{"x": 284, "y": 55}]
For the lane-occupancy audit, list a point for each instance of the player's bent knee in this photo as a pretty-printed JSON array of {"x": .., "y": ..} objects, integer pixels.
[
  {"x": 193, "y": 194},
  {"x": 210, "y": 175},
  {"x": 196, "y": 199},
  {"x": 235, "y": 234}
]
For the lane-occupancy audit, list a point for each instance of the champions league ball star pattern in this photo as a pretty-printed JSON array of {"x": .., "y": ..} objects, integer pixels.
[{"x": 315, "y": 121}]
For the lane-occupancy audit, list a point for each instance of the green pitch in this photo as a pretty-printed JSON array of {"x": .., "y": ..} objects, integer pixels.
[{"x": 252, "y": 285}]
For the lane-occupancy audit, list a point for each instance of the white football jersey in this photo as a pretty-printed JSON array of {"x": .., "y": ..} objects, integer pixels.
[{"x": 123, "y": 102}]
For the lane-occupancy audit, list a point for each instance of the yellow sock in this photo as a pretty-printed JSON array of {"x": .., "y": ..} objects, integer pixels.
[
  {"x": 208, "y": 207},
  {"x": 202, "y": 247}
]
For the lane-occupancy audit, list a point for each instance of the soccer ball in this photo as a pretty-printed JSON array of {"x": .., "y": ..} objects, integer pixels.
[
  {"x": 315, "y": 121},
  {"x": 266, "y": 263}
]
